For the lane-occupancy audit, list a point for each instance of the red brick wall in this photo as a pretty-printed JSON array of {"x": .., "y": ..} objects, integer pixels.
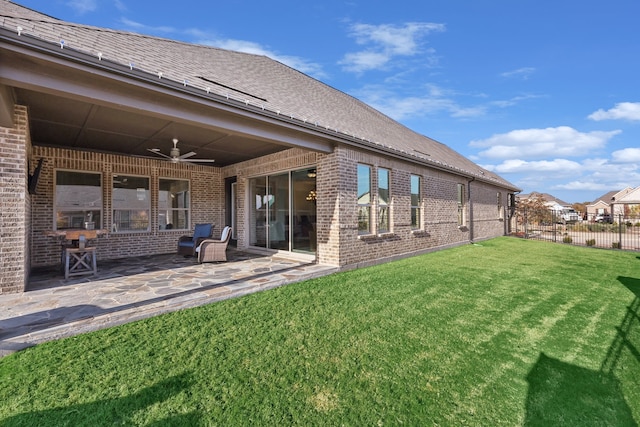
[{"x": 15, "y": 202}]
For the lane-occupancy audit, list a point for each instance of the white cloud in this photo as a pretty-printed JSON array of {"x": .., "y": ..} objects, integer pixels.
[
  {"x": 435, "y": 100},
  {"x": 83, "y": 6},
  {"x": 120, "y": 5},
  {"x": 556, "y": 166},
  {"x": 522, "y": 73},
  {"x": 583, "y": 186},
  {"x": 562, "y": 141},
  {"x": 626, "y": 155},
  {"x": 622, "y": 111},
  {"x": 139, "y": 27},
  {"x": 296, "y": 62},
  {"x": 384, "y": 42},
  {"x": 366, "y": 60}
]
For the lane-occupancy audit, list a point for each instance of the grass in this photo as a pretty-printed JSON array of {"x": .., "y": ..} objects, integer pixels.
[{"x": 506, "y": 332}]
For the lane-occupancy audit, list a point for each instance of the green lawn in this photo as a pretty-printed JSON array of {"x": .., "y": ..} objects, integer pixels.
[{"x": 506, "y": 332}]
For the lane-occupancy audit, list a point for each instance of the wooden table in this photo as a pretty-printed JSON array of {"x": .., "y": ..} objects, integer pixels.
[{"x": 77, "y": 258}]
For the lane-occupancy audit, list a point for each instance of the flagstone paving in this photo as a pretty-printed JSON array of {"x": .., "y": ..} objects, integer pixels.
[{"x": 136, "y": 288}]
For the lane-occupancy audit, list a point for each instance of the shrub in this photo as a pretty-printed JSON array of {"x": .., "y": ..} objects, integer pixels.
[
  {"x": 615, "y": 245},
  {"x": 567, "y": 239},
  {"x": 591, "y": 242}
]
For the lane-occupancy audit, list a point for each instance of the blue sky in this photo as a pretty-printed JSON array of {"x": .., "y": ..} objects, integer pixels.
[{"x": 545, "y": 93}]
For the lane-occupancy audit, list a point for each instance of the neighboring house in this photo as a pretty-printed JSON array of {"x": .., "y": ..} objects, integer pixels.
[
  {"x": 299, "y": 166},
  {"x": 548, "y": 199},
  {"x": 627, "y": 205},
  {"x": 561, "y": 209},
  {"x": 607, "y": 204}
]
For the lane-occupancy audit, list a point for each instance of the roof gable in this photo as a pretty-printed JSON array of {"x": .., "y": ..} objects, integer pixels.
[{"x": 633, "y": 196}]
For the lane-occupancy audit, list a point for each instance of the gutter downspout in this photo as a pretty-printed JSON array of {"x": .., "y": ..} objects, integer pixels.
[{"x": 470, "y": 201}]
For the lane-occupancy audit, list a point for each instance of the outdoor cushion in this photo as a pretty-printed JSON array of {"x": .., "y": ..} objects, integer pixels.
[
  {"x": 188, "y": 244},
  {"x": 201, "y": 230}
]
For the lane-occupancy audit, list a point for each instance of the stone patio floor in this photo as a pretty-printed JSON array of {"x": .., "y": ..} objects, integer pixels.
[{"x": 136, "y": 288}]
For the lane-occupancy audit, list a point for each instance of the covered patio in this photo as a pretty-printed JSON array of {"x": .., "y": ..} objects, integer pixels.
[{"x": 126, "y": 291}]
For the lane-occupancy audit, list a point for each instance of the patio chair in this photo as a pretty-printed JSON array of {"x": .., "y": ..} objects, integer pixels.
[
  {"x": 187, "y": 244},
  {"x": 211, "y": 250}
]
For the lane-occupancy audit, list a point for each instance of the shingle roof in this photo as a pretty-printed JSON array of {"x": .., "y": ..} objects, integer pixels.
[
  {"x": 606, "y": 197},
  {"x": 545, "y": 196},
  {"x": 253, "y": 79}
]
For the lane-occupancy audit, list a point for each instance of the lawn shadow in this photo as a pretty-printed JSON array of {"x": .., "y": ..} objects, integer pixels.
[
  {"x": 563, "y": 394},
  {"x": 116, "y": 411},
  {"x": 627, "y": 336}
]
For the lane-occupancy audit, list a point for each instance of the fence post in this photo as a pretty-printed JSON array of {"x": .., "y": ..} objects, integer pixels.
[{"x": 620, "y": 231}]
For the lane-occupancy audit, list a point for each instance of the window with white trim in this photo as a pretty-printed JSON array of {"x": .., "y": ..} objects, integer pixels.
[
  {"x": 173, "y": 204},
  {"x": 364, "y": 199},
  {"x": 78, "y": 200},
  {"x": 416, "y": 198},
  {"x": 384, "y": 201},
  {"x": 461, "y": 205},
  {"x": 131, "y": 203},
  {"x": 499, "y": 205}
]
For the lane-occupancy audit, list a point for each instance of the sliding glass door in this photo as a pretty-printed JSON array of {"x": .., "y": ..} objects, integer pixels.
[{"x": 283, "y": 211}]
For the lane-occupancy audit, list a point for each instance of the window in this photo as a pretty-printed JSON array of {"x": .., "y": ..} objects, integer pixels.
[
  {"x": 499, "y": 204},
  {"x": 78, "y": 200},
  {"x": 461, "y": 197},
  {"x": 364, "y": 199},
  {"x": 511, "y": 201},
  {"x": 131, "y": 203},
  {"x": 416, "y": 222},
  {"x": 173, "y": 204},
  {"x": 384, "y": 199}
]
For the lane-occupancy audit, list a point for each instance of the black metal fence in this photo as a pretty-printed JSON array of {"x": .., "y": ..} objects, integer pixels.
[{"x": 599, "y": 231}]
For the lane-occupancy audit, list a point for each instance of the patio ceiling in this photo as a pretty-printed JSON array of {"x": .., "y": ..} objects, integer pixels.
[
  {"x": 58, "y": 121},
  {"x": 82, "y": 106}
]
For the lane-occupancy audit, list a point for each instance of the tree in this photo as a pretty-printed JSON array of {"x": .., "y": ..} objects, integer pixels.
[{"x": 533, "y": 210}]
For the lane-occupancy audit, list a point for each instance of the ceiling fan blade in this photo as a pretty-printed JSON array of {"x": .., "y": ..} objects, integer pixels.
[
  {"x": 198, "y": 160},
  {"x": 189, "y": 154},
  {"x": 158, "y": 152}
]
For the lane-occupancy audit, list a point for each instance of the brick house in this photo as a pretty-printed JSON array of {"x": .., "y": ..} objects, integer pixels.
[{"x": 87, "y": 121}]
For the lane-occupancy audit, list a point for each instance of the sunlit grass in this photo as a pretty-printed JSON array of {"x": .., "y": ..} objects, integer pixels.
[{"x": 507, "y": 332}]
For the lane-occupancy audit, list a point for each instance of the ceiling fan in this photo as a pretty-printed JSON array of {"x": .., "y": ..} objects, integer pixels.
[{"x": 175, "y": 157}]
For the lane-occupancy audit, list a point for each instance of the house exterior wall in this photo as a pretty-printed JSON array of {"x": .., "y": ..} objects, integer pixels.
[
  {"x": 15, "y": 145},
  {"x": 206, "y": 202},
  {"x": 598, "y": 207},
  {"x": 338, "y": 240}
]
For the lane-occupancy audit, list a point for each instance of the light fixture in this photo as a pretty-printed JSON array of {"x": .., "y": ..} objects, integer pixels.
[
  {"x": 311, "y": 173},
  {"x": 311, "y": 197}
]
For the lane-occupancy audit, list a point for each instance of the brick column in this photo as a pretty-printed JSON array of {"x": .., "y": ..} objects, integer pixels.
[{"x": 15, "y": 204}]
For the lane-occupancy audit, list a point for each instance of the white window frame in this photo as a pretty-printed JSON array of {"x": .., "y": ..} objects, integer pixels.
[
  {"x": 416, "y": 209},
  {"x": 384, "y": 207},
  {"x": 363, "y": 202},
  {"x": 462, "y": 216}
]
